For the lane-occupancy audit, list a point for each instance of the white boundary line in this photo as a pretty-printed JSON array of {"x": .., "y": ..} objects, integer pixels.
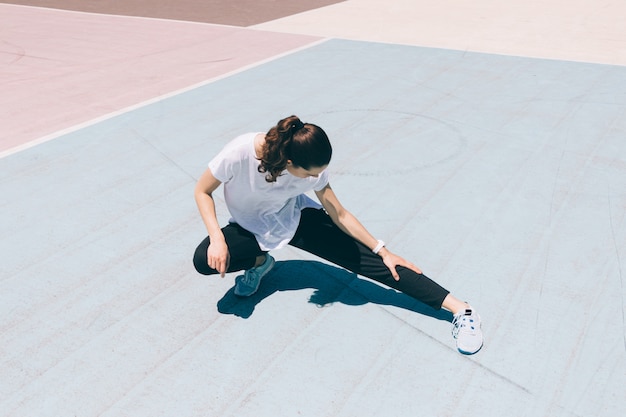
[{"x": 62, "y": 132}]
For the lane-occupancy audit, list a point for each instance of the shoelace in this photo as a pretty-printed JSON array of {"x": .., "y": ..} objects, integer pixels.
[
  {"x": 250, "y": 277},
  {"x": 464, "y": 323}
]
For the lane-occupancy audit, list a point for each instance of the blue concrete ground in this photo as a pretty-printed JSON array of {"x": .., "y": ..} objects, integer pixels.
[{"x": 502, "y": 177}]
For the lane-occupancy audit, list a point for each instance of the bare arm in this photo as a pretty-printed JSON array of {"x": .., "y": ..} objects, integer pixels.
[
  {"x": 351, "y": 225},
  {"x": 217, "y": 253}
]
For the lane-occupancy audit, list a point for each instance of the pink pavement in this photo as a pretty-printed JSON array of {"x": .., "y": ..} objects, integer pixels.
[{"x": 63, "y": 68}]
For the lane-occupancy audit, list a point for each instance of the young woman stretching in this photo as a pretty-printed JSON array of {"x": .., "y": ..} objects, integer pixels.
[{"x": 265, "y": 179}]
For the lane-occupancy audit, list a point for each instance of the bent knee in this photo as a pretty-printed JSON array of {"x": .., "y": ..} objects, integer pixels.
[{"x": 201, "y": 265}]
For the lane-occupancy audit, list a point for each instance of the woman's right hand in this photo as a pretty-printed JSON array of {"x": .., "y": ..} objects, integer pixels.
[
  {"x": 217, "y": 254},
  {"x": 218, "y": 257}
]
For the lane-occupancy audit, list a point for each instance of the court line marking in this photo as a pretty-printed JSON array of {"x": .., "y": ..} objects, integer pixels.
[{"x": 91, "y": 122}]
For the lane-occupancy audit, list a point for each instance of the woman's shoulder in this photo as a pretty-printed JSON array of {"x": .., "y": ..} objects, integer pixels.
[{"x": 237, "y": 153}]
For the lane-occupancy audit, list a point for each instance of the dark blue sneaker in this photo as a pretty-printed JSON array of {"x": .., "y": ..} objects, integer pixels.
[{"x": 248, "y": 283}]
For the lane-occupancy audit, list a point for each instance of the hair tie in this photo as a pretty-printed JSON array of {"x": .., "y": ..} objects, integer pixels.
[{"x": 297, "y": 125}]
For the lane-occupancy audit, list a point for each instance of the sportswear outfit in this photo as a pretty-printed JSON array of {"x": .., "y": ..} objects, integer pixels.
[{"x": 268, "y": 216}]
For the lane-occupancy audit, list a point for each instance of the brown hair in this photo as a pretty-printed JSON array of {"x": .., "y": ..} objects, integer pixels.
[{"x": 304, "y": 144}]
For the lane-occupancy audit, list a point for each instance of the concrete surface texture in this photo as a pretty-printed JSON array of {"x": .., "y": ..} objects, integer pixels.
[{"x": 484, "y": 143}]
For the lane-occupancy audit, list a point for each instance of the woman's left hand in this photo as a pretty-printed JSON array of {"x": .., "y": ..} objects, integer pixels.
[{"x": 392, "y": 261}]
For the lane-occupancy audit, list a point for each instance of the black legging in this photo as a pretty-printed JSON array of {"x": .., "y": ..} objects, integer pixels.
[{"x": 318, "y": 235}]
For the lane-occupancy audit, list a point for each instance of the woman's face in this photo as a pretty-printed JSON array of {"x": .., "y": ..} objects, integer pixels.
[{"x": 304, "y": 173}]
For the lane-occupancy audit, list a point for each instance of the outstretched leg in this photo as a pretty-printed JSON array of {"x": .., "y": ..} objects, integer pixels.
[{"x": 318, "y": 234}]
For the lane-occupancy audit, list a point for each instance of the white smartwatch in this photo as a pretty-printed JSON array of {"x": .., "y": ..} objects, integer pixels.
[{"x": 378, "y": 247}]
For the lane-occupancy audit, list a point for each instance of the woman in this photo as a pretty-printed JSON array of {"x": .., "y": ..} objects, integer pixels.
[{"x": 265, "y": 177}]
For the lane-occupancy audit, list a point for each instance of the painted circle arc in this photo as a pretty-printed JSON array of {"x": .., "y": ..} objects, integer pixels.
[{"x": 369, "y": 142}]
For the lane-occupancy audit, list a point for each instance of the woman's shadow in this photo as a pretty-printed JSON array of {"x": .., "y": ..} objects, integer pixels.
[{"x": 331, "y": 285}]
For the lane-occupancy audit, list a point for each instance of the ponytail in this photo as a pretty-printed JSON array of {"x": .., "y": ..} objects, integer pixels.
[{"x": 305, "y": 144}]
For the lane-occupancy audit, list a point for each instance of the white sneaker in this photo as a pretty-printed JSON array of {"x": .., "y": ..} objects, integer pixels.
[
  {"x": 248, "y": 283},
  {"x": 466, "y": 329}
]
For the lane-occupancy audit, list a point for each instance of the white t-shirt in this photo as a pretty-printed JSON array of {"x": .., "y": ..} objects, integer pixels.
[{"x": 270, "y": 211}]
